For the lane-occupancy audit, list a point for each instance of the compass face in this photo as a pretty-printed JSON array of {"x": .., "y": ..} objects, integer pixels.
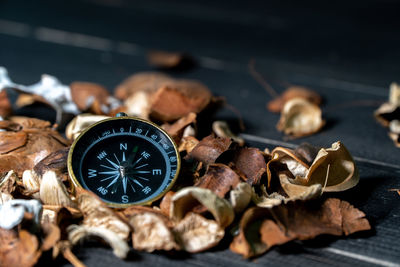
[{"x": 124, "y": 161}]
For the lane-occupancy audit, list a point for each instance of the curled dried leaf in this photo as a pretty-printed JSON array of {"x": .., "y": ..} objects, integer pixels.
[
  {"x": 251, "y": 163},
  {"x": 187, "y": 144},
  {"x": 219, "y": 178},
  {"x": 195, "y": 233},
  {"x": 151, "y": 232},
  {"x": 176, "y": 129},
  {"x": 165, "y": 205},
  {"x": 55, "y": 161},
  {"x": 169, "y": 60},
  {"x": 31, "y": 182},
  {"x": 80, "y": 123},
  {"x": 10, "y": 141},
  {"x": 221, "y": 129},
  {"x": 35, "y": 141},
  {"x": 262, "y": 228},
  {"x": 118, "y": 244},
  {"x": 300, "y": 117},
  {"x": 90, "y": 97},
  {"x": 188, "y": 198},
  {"x": 5, "y": 104},
  {"x": 210, "y": 148},
  {"x": 240, "y": 197},
  {"x": 18, "y": 249},
  {"x": 7, "y": 183},
  {"x": 277, "y": 104},
  {"x": 179, "y": 98},
  {"x": 96, "y": 214},
  {"x": 53, "y": 191},
  {"x": 13, "y": 212}
]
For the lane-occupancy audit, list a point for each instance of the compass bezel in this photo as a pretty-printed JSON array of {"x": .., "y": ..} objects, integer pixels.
[{"x": 75, "y": 180}]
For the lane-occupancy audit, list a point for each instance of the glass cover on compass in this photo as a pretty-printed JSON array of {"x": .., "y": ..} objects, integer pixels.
[{"x": 124, "y": 161}]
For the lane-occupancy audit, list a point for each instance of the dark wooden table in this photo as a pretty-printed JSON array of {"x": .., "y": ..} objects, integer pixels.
[{"x": 348, "y": 52}]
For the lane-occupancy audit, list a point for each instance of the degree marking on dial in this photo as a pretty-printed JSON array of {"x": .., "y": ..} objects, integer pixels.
[
  {"x": 113, "y": 130},
  {"x": 146, "y": 133},
  {"x": 170, "y": 152},
  {"x": 130, "y": 129}
]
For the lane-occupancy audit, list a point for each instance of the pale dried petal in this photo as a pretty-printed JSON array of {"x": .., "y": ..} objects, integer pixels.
[
  {"x": 119, "y": 246},
  {"x": 53, "y": 191},
  {"x": 31, "y": 182},
  {"x": 7, "y": 184},
  {"x": 195, "y": 233},
  {"x": 221, "y": 129},
  {"x": 80, "y": 123},
  {"x": 97, "y": 214},
  {"x": 394, "y": 126},
  {"x": 4, "y": 197},
  {"x": 12, "y": 212},
  {"x": 150, "y": 233},
  {"x": 138, "y": 105},
  {"x": 300, "y": 117},
  {"x": 394, "y": 95},
  {"x": 186, "y": 199},
  {"x": 188, "y": 143},
  {"x": 240, "y": 197},
  {"x": 56, "y": 94}
]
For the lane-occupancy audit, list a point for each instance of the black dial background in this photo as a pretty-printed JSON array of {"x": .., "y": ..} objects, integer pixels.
[{"x": 108, "y": 136}]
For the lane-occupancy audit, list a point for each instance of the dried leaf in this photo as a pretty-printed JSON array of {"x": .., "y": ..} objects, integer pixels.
[
  {"x": 53, "y": 191},
  {"x": 179, "y": 98},
  {"x": 147, "y": 82},
  {"x": 195, "y": 233},
  {"x": 165, "y": 205},
  {"x": 277, "y": 104},
  {"x": 251, "y": 163},
  {"x": 396, "y": 138},
  {"x": 262, "y": 228},
  {"x": 97, "y": 215},
  {"x": 10, "y": 141},
  {"x": 169, "y": 60},
  {"x": 80, "y": 123},
  {"x": 138, "y": 104},
  {"x": 386, "y": 113},
  {"x": 188, "y": 198},
  {"x": 4, "y": 197},
  {"x": 240, "y": 197},
  {"x": 219, "y": 178},
  {"x": 49, "y": 88},
  {"x": 176, "y": 129},
  {"x": 31, "y": 182},
  {"x": 394, "y": 95},
  {"x": 300, "y": 117},
  {"x": 90, "y": 97},
  {"x": 151, "y": 232},
  {"x": 13, "y": 212},
  {"x": 210, "y": 148},
  {"x": 187, "y": 144},
  {"x": 221, "y": 129},
  {"x": 18, "y": 249},
  {"x": 7, "y": 183},
  {"x": 55, "y": 161},
  {"x": 118, "y": 244},
  {"x": 36, "y": 140},
  {"x": 5, "y": 105},
  {"x": 52, "y": 235}
]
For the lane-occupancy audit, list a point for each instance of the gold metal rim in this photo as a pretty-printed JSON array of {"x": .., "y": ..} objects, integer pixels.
[{"x": 115, "y": 205}]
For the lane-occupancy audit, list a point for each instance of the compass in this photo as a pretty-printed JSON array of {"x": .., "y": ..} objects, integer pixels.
[{"x": 124, "y": 160}]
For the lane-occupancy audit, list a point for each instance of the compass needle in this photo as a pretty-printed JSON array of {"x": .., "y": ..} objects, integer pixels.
[{"x": 123, "y": 156}]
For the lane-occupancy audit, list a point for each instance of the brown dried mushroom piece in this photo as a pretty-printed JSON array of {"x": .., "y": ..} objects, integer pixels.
[
  {"x": 96, "y": 214},
  {"x": 219, "y": 178},
  {"x": 5, "y": 105},
  {"x": 250, "y": 162},
  {"x": 90, "y": 97},
  {"x": 300, "y": 117},
  {"x": 169, "y": 60},
  {"x": 262, "y": 228},
  {"x": 176, "y": 129},
  {"x": 53, "y": 191},
  {"x": 210, "y": 148},
  {"x": 33, "y": 143},
  {"x": 188, "y": 198},
  {"x": 277, "y": 104}
]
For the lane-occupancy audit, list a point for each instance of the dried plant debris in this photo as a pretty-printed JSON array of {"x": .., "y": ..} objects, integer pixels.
[
  {"x": 388, "y": 114},
  {"x": 169, "y": 99},
  {"x": 221, "y": 129},
  {"x": 53, "y": 191},
  {"x": 35, "y": 140},
  {"x": 5, "y": 105},
  {"x": 300, "y": 117},
  {"x": 262, "y": 228},
  {"x": 210, "y": 148},
  {"x": 277, "y": 104},
  {"x": 18, "y": 248},
  {"x": 176, "y": 130},
  {"x": 14, "y": 211},
  {"x": 78, "y": 124},
  {"x": 49, "y": 88},
  {"x": 170, "y": 60},
  {"x": 250, "y": 162}
]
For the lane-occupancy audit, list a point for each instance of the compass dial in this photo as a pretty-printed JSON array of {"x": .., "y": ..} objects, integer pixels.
[{"x": 124, "y": 161}]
